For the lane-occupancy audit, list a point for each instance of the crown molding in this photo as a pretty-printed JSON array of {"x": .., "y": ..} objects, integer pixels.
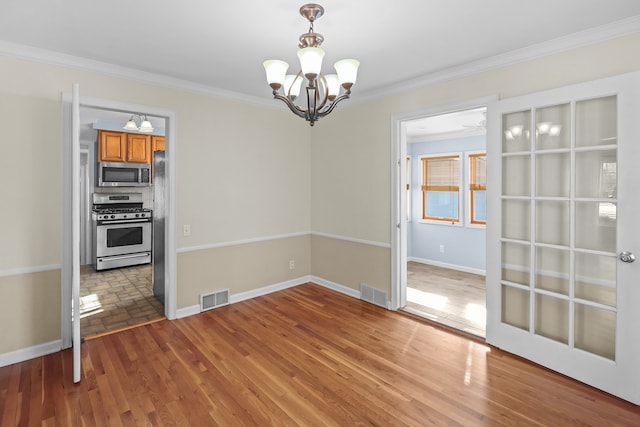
[
  {"x": 572, "y": 41},
  {"x": 48, "y": 57}
]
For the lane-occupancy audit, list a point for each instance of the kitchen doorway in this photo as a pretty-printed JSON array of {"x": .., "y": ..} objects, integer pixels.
[
  {"x": 438, "y": 244},
  {"x": 117, "y": 278},
  {"x": 133, "y": 276}
]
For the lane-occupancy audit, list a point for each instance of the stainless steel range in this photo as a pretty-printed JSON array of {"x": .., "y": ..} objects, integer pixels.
[{"x": 122, "y": 230}]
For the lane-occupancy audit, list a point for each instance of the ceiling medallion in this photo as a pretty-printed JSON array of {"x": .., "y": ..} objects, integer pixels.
[{"x": 323, "y": 91}]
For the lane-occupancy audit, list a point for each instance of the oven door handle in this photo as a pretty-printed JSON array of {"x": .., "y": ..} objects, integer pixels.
[
  {"x": 123, "y": 221},
  {"x": 136, "y": 255}
]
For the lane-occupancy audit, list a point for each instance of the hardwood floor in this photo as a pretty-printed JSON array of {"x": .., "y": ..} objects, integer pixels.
[
  {"x": 303, "y": 356},
  {"x": 452, "y": 298}
]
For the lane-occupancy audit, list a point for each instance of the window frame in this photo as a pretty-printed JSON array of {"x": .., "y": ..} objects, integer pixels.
[
  {"x": 456, "y": 222},
  {"x": 469, "y": 166}
]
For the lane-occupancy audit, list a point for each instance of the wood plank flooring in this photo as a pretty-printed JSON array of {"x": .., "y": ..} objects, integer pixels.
[
  {"x": 452, "y": 298},
  {"x": 305, "y": 356}
]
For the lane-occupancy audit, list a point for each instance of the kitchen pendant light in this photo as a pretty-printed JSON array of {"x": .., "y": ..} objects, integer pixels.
[
  {"x": 145, "y": 125},
  {"x": 323, "y": 91}
]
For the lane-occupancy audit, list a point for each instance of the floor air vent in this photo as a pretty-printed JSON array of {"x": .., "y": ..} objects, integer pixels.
[
  {"x": 373, "y": 295},
  {"x": 214, "y": 299}
]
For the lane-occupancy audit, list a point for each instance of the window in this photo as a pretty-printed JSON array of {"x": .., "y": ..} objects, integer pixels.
[
  {"x": 478, "y": 188},
  {"x": 441, "y": 188}
]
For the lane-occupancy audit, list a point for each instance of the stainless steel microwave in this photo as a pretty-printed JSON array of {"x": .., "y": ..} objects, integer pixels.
[{"x": 115, "y": 174}]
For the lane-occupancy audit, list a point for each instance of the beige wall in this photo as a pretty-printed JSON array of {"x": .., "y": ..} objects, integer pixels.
[
  {"x": 243, "y": 172},
  {"x": 29, "y": 310},
  {"x": 349, "y": 263},
  {"x": 241, "y": 268}
]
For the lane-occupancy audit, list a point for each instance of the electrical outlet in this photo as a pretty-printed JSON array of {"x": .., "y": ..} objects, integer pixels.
[
  {"x": 292, "y": 264},
  {"x": 441, "y": 249},
  {"x": 186, "y": 230}
]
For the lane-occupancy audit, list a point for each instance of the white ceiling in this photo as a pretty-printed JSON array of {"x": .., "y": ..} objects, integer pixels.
[{"x": 222, "y": 44}]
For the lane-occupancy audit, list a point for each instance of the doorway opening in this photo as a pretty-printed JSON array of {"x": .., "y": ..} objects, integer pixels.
[
  {"x": 116, "y": 298},
  {"x": 439, "y": 250},
  {"x": 117, "y": 291}
]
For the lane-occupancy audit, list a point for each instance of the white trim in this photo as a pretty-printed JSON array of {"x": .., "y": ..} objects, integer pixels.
[
  {"x": 280, "y": 236},
  {"x": 462, "y": 268},
  {"x": 30, "y": 53},
  {"x": 572, "y": 41},
  {"x": 29, "y": 270},
  {"x": 336, "y": 287},
  {"x": 28, "y": 353},
  {"x": 240, "y": 242},
  {"x": 187, "y": 311},
  {"x": 351, "y": 239},
  {"x": 243, "y": 296}
]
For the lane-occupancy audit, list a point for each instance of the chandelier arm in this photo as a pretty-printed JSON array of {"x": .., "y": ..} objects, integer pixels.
[
  {"x": 326, "y": 92},
  {"x": 334, "y": 103},
  {"x": 293, "y": 107}
]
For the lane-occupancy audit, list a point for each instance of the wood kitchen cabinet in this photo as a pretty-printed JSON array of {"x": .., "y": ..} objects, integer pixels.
[
  {"x": 157, "y": 143},
  {"x": 112, "y": 146},
  {"x": 124, "y": 147},
  {"x": 138, "y": 148}
]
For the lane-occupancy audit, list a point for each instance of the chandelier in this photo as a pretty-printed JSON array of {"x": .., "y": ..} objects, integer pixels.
[{"x": 323, "y": 91}]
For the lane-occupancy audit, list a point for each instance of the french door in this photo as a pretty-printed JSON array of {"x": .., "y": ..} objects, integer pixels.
[{"x": 563, "y": 197}]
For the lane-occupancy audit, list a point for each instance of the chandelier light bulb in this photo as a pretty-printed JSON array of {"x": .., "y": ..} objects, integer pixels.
[
  {"x": 276, "y": 71},
  {"x": 311, "y": 61},
  {"x": 347, "y": 70},
  {"x": 292, "y": 85},
  {"x": 333, "y": 85}
]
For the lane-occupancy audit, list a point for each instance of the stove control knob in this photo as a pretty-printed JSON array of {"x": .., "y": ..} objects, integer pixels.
[
  {"x": 113, "y": 216},
  {"x": 143, "y": 215},
  {"x": 137, "y": 215}
]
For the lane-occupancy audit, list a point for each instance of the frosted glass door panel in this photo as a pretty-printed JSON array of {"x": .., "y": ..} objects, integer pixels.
[
  {"x": 553, "y": 127},
  {"x": 552, "y": 318},
  {"x": 553, "y": 222},
  {"x": 595, "y": 330},
  {"x": 596, "y": 122},
  {"x": 516, "y": 170},
  {"x": 516, "y": 263},
  {"x": 515, "y": 307},
  {"x": 596, "y": 226},
  {"x": 596, "y": 174},
  {"x": 595, "y": 277},
  {"x": 516, "y": 132},
  {"x": 553, "y": 175},
  {"x": 516, "y": 219},
  {"x": 552, "y": 270}
]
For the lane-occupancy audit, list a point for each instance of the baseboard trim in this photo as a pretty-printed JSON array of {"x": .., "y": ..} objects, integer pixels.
[
  {"x": 449, "y": 266},
  {"x": 354, "y": 293},
  {"x": 187, "y": 311},
  {"x": 242, "y": 296},
  {"x": 30, "y": 352}
]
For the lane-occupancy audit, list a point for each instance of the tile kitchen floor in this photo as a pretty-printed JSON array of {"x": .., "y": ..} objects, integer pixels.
[{"x": 116, "y": 299}]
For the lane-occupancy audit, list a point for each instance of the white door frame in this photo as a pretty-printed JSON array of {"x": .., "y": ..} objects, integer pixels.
[
  {"x": 69, "y": 180},
  {"x": 399, "y": 182}
]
